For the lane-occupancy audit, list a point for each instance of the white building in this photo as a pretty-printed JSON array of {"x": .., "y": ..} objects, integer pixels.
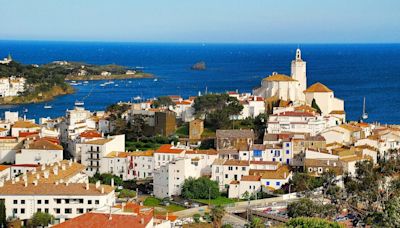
[
  {"x": 286, "y": 87},
  {"x": 11, "y": 86},
  {"x": 93, "y": 151},
  {"x": 325, "y": 99},
  {"x": 24, "y": 126},
  {"x": 41, "y": 151},
  {"x": 9, "y": 146}
]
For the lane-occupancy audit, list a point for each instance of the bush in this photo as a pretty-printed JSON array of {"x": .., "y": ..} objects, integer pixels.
[
  {"x": 41, "y": 219},
  {"x": 201, "y": 188},
  {"x": 196, "y": 218},
  {"x": 126, "y": 193},
  {"x": 312, "y": 223}
]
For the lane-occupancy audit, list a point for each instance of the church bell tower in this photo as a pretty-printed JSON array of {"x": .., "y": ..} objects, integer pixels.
[{"x": 298, "y": 72}]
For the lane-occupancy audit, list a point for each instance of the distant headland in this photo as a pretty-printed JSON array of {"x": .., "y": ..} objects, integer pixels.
[{"x": 22, "y": 84}]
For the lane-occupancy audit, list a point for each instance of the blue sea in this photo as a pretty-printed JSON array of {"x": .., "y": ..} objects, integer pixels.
[{"x": 353, "y": 71}]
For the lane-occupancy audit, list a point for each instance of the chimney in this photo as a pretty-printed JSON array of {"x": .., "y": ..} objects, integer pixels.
[
  {"x": 70, "y": 163},
  {"x": 112, "y": 182},
  {"x": 63, "y": 167},
  {"x": 166, "y": 217},
  {"x": 61, "y": 181},
  {"x": 35, "y": 182},
  {"x": 123, "y": 206},
  {"x": 1, "y": 183},
  {"x": 66, "y": 183},
  {"x": 102, "y": 190},
  {"x": 142, "y": 221},
  {"x": 110, "y": 216},
  {"x": 97, "y": 184},
  {"x": 87, "y": 186},
  {"x": 327, "y": 162},
  {"x": 17, "y": 179},
  {"x": 13, "y": 180},
  {"x": 26, "y": 184}
]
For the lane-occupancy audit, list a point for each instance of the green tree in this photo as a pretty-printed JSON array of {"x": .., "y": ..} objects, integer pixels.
[
  {"x": 307, "y": 208},
  {"x": 196, "y": 218},
  {"x": 41, "y": 219},
  {"x": 201, "y": 188},
  {"x": 315, "y": 106},
  {"x": 256, "y": 223},
  {"x": 391, "y": 214},
  {"x": 311, "y": 223},
  {"x": 126, "y": 193},
  {"x": 3, "y": 221},
  {"x": 217, "y": 213}
]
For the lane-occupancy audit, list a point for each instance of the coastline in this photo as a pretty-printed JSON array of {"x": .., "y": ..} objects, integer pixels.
[
  {"x": 110, "y": 77},
  {"x": 54, "y": 92}
]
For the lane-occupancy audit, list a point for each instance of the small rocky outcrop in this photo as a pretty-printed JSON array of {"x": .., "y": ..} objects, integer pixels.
[{"x": 199, "y": 66}]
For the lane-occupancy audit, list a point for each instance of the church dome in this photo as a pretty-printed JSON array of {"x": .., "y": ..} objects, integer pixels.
[
  {"x": 279, "y": 78},
  {"x": 318, "y": 88}
]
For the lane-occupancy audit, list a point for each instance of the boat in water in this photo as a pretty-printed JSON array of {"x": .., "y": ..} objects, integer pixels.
[
  {"x": 364, "y": 115},
  {"x": 46, "y": 106},
  {"x": 155, "y": 80},
  {"x": 79, "y": 103},
  {"x": 137, "y": 98}
]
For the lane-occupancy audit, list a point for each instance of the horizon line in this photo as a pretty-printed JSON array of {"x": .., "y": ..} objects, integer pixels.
[{"x": 190, "y": 42}]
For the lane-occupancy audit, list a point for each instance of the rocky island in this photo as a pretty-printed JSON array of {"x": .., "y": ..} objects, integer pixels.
[{"x": 199, "y": 66}]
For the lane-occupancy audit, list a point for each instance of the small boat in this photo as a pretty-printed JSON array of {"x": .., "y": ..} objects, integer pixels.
[
  {"x": 86, "y": 82},
  {"x": 129, "y": 81},
  {"x": 102, "y": 85},
  {"x": 137, "y": 98},
  {"x": 364, "y": 115},
  {"x": 25, "y": 110},
  {"x": 79, "y": 103},
  {"x": 46, "y": 106},
  {"x": 155, "y": 80},
  {"x": 116, "y": 85}
]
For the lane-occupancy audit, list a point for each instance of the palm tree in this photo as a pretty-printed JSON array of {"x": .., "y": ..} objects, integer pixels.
[{"x": 217, "y": 212}]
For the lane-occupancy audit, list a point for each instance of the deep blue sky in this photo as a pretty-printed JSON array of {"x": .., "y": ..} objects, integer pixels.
[{"x": 232, "y": 21}]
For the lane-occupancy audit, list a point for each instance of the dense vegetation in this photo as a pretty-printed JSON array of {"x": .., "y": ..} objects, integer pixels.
[
  {"x": 217, "y": 110},
  {"x": 201, "y": 188},
  {"x": 41, "y": 219},
  {"x": 311, "y": 223}
]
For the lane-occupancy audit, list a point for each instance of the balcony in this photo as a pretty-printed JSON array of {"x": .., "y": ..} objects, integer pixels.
[
  {"x": 93, "y": 159},
  {"x": 93, "y": 151}
]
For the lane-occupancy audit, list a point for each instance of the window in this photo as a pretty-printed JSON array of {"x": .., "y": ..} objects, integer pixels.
[
  {"x": 243, "y": 168},
  {"x": 226, "y": 176},
  {"x": 230, "y": 168},
  {"x": 79, "y": 210},
  {"x": 15, "y": 201},
  {"x": 39, "y": 202},
  {"x": 22, "y": 210},
  {"x": 267, "y": 183},
  {"x": 80, "y": 200},
  {"x": 66, "y": 200},
  {"x": 46, "y": 201},
  {"x": 89, "y": 202},
  {"x": 287, "y": 161},
  {"x": 287, "y": 144},
  {"x": 68, "y": 211},
  {"x": 278, "y": 183},
  {"x": 287, "y": 151},
  {"x": 58, "y": 201},
  {"x": 39, "y": 210},
  {"x": 96, "y": 201},
  {"x": 273, "y": 159},
  {"x": 46, "y": 210},
  {"x": 22, "y": 201},
  {"x": 15, "y": 211},
  {"x": 57, "y": 210},
  {"x": 257, "y": 153}
]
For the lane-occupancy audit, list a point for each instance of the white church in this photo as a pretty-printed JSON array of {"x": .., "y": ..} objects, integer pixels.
[{"x": 294, "y": 88}]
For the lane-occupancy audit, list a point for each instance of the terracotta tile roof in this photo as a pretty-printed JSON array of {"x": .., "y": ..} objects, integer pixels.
[
  {"x": 148, "y": 153},
  {"x": 185, "y": 102},
  {"x": 228, "y": 152},
  {"x": 208, "y": 152},
  {"x": 235, "y": 134},
  {"x": 90, "y": 134},
  {"x": 218, "y": 161},
  {"x": 25, "y": 124},
  {"x": 258, "y": 147},
  {"x": 337, "y": 112},
  {"x": 171, "y": 217},
  {"x": 237, "y": 162},
  {"x": 4, "y": 167},
  {"x": 69, "y": 172},
  {"x": 116, "y": 154},
  {"x": 279, "y": 77},
  {"x": 103, "y": 220},
  {"x": 296, "y": 113},
  {"x": 167, "y": 148},
  {"x": 318, "y": 88},
  {"x": 52, "y": 139},
  {"x": 322, "y": 163},
  {"x": 350, "y": 127},
  {"x": 305, "y": 108},
  {"x": 43, "y": 144},
  {"x": 250, "y": 178},
  {"x": 234, "y": 182},
  {"x": 277, "y": 174},
  {"x": 264, "y": 162},
  {"x": 25, "y": 134},
  {"x": 98, "y": 141},
  {"x": 73, "y": 189}
]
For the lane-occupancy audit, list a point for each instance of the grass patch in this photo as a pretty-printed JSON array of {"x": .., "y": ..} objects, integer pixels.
[
  {"x": 208, "y": 133},
  {"x": 182, "y": 131},
  {"x": 160, "y": 209},
  {"x": 217, "y": 201}
]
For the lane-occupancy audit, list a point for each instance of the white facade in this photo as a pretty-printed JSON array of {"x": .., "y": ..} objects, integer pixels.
[{"x": 11, "y": 86}]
